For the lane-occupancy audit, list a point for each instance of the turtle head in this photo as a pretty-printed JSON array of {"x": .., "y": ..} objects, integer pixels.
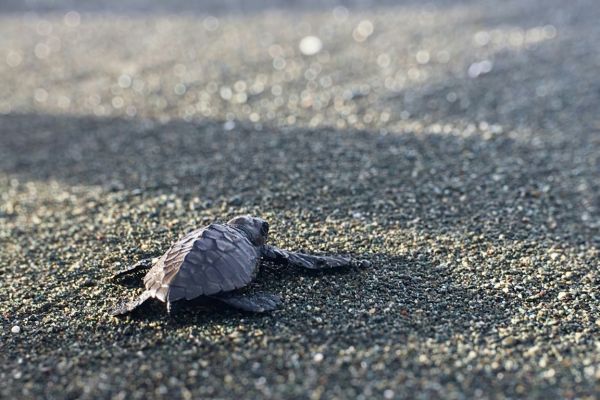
[{"x": 256, "y": 229}]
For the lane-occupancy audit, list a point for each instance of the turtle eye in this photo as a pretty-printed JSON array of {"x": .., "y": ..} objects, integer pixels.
[{"x": 264, "y": 229}]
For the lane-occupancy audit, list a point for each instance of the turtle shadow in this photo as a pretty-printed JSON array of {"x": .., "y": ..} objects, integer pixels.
[
  {"x": 205, "y": 310},
  {"x": 396, "y": 298},
  {"x": 201, "y": 311}
]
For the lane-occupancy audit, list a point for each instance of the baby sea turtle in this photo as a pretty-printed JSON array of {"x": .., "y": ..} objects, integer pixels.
[{"x": 216, "y": 260}]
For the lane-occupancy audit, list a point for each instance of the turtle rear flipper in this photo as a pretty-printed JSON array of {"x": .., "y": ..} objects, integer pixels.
[
  {"x": 129, "y": 306},
  {"x": 257, "y": 302}
]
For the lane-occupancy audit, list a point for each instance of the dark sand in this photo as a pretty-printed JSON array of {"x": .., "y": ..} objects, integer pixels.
[{"x": 456, "y": 146}]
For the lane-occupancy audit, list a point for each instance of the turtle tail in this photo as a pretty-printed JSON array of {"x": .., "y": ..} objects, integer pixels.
[{"x": 129, "y": 306}]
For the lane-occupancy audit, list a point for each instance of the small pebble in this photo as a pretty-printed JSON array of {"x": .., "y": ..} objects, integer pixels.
[
  {"x": 15, "y": 329},
  {"x": 563, "y": 295}
]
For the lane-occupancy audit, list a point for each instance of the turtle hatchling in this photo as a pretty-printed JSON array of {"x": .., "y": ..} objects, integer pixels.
[{"x": 215, "y": 261}]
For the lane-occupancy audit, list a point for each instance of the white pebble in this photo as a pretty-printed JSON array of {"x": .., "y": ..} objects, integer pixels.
[
  {"x": 318, "y": 357},
  {"x": 15, "y": 329},
  {"x": 562, "y": 295}
]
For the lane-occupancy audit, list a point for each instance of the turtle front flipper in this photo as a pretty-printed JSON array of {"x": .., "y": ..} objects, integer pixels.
[
  {"x": 308, "y": 261},
  {"x": 129, "y": 306},
  {"x": 257, "y": 302},
  {"x": 146, "y": 263}
]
